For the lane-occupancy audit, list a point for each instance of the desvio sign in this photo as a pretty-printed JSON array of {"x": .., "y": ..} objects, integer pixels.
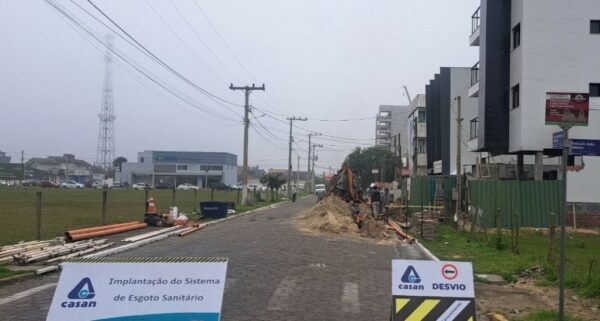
[{"x": 579, "y": 147}]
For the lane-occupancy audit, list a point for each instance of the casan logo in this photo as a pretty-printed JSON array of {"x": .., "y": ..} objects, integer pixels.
[
  {"x": 84, "y": 290},
  {"x": 413, "y": 279}
]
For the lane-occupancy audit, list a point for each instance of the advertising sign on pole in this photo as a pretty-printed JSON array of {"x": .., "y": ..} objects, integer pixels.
[
  {"x": 567, "y": 108},
  {"x": 118, "y": 289},
  {"x": 579, "y": 147},
  {"x": 432, "y": 290}
]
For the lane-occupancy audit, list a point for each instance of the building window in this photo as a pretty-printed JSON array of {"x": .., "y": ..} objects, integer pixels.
[
  {"x": 473, "y": 128},
  {"x": 517, "y": 36},
  {"x": 141, "y": 159},
  {"x": 515, "y": 96},
  {"x": 595, "y": 26},
  {"x": 421, "y": 147},
  {"x": 421, "y": 117},
  {"x": 182, "y": 167},
  {"x": 594, "y": 90}
]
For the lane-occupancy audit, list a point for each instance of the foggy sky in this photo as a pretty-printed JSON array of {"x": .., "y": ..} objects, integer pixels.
[{"x": 318, "y": 59}]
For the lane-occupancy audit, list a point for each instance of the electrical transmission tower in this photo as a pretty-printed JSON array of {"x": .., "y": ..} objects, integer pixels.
[{"x": 106, "y": 133}]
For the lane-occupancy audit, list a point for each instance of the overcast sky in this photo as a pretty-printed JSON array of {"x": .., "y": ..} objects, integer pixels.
[{"x": 318, "y": 59}]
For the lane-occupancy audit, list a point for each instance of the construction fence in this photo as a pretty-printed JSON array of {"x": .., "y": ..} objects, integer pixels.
[
  {"x": 30, "y": 213},
  {"x": 519, "y": 203},
  {"x": 431, "y": 191}
]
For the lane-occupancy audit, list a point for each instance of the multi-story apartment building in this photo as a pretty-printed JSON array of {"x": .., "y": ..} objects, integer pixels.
[
  {"x": 442, "y": 94},
  {"x": 389, "y": 123},
  {"x": 528, "y": 48},
  {"x": 417, "y": 137}
]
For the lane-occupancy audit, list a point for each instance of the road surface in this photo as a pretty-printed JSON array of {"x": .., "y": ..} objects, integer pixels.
[{"x": 275, "y": 271}]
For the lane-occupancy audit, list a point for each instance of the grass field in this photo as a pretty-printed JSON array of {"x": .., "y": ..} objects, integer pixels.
[
  {"x": 582, "y": 262},
  {"x": 65, "y": 209}
]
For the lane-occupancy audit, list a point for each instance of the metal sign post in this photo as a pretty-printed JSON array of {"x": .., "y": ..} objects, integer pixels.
[{"x": 566, "y": 110}]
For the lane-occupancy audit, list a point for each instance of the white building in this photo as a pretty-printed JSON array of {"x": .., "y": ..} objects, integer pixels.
[
  {"x": 417, "y": 137},
  {"x": 390, "y": 124},
  {"x": 528, "y": 48},
  {"x": 169, "y": 168}
]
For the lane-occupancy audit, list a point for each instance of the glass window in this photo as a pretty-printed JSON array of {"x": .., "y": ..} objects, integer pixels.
[
  {"x": 182, "y": 167},
  {"x": 595, "y": 26},
  {"x": 421, "y": 116},
  {"x": 473, "y": 128},
  {"x": 517, "y": 36},
  {"x": 594, "y": 90},
  {"x": 515, "y": 96}
]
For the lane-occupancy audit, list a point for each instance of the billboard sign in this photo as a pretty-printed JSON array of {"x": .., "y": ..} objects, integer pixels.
[
  {"x": 567, "y": 108},
  {"x": 11, "y": 172}
]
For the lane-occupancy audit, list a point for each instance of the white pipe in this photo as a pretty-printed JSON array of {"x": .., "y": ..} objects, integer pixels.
[
  {"x": 132, "y": 245},
  {"x": 150, "y": 234}
]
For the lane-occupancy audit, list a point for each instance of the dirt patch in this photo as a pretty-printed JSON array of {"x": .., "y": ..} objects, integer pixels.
[
  {"x": 517, "y": 300},
  {"x": 333, "y": 215}
]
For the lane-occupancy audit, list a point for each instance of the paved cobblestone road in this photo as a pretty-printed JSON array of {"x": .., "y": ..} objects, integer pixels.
[{"x": 275, "y": 271}]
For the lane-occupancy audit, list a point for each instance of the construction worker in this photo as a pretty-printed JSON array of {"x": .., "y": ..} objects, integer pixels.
[
  {"x": 375, "y": 200},
  {"x": 294, "y": 191}
]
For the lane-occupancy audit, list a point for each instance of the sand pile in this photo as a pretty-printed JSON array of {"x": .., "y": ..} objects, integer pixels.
[{"x": 334, "y": 215}]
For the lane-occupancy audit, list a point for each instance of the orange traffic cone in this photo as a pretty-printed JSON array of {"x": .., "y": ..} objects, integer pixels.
[{"x": 151, "y": 206}]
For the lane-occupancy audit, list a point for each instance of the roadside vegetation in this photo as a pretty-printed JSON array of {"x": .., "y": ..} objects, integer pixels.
[
  {"x": 533, "y": 256},
  {"x": 547, "y": 316},
  {"x": 6, "y": 272},
  {"x": 64, "y": 209}
]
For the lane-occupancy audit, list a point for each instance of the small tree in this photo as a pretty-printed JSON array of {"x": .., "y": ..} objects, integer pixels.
[
  {"x": 273, "y": 181},
  {"x": 118, "y": 162}
]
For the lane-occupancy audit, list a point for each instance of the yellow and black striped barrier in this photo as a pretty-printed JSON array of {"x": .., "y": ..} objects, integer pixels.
[{"x": 433, "y": 309}]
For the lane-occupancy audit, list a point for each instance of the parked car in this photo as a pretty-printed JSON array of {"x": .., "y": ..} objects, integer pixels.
[
  {"x": 319, "y": 189},
  {"x": 187, "y": 187},
  {"x": 264, "y": 188},
  {"x": 236, "y": 187},
  {"x": 30, "y": 182},
  {"x": 71, "y": 184},
  {"x": 220, "y": 186},
  {"x": 253, "y": 186},
  {"x": 48, "y": 184},
  {"x": 140, "y": 186}
]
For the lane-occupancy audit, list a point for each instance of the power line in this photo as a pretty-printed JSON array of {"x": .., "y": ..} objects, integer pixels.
[{"x": 161, "y": 62}]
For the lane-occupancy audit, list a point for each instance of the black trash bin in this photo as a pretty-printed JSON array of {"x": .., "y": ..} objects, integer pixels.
[{"x": 214, "y": 209}]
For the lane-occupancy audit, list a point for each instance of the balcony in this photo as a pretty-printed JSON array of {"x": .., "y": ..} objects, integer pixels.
[
  {"x": 474, "y": 89},
  {"x": 475, "y": 30},
  {"x": 421, "y": 130}
]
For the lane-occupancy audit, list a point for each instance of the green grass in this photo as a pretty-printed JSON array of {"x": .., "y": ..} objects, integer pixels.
[
  {"x": 65, "y": 209},
  {"x": 546, "y": 316},
  {"x": 581, "y": 250},
  {"x": 6, "y": 273}
]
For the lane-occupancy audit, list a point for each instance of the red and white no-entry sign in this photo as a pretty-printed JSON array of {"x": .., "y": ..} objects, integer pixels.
[{"x": 449, "y": 272}]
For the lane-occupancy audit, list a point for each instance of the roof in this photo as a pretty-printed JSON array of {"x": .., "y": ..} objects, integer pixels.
[{"x": 57, "y": 161}]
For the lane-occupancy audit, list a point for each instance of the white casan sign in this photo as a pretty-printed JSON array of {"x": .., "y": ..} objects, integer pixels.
[
  {"x": 432, "y": 278},
  {"x": 118, "y": 289},
  {"x": 432, "y": 290}
]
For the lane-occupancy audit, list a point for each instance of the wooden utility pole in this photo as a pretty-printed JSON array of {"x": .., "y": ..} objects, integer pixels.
[
  {"x": 298, "y": 173},
  {"x": 289, "y": 181},
  {"x": 247, "y": 90},
  {"x": 458, "y": 159},
  {"x": 312, "y": 174},
  {"x": 309, "y": 173}
]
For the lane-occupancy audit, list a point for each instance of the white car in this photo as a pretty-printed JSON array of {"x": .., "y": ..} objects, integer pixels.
[
  {"x": 140, "y": 186},
  {"x": 187, "y": 187},
  {"x": 320, "y": 189},
  {"x": 71, "y": 184},
  {"x": 236, "y": 187}
]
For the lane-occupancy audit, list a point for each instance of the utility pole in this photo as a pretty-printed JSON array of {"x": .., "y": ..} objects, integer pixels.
[
  {"x": 22, "y": 166},
  {"x": 312, "y": 173},
  {"x": 298, "y": 173},
  {"x": 458, "y": 159},
  {"x": 289, "y": 182},
  {"x": 247, "y": 90},
  {"x": 309, "y": 173}
]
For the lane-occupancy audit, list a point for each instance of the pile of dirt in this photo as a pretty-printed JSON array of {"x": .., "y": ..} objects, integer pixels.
[{"x": 333, "y": 215}]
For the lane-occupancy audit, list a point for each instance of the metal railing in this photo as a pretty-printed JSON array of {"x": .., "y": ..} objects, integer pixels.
[
  {"x": 475, "y": 20},
  {"x": 475, "y": 74}
]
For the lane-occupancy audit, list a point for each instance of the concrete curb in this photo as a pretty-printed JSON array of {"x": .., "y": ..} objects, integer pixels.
[{"x": 426, "y": 251}]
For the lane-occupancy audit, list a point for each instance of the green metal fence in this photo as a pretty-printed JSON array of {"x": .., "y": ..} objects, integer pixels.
[
  {"x": 520, "y": 203},
  {"x": 423, "y": 188}
]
